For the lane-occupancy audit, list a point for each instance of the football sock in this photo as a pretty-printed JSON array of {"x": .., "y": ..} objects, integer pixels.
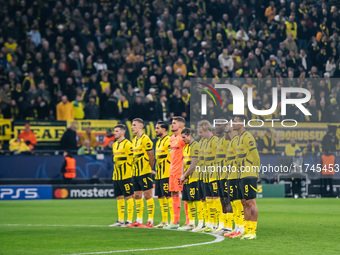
[
  {"x": 229, "y": 220},
  {"x": 205, "y": 212},
  {"x": 151, "y": 209},
  {"x": 199, "y": 209},
  {"x": 240, "y": 216},
  {"x": 121, "y": 209},
  {"x": 130, "y": 206},
  {"x": 223, "y": 221},
  {"x": 186, "y": 213},
  {"x": 235, "y": 216},
  {"x": 248, "y": 226},
  {"x": 171, "y": 209},
  {"x": 163, "y": 202},
  {"x": 254, "y": 227},
  {"x": 212, "y": 212},
  {"x": 218, "y": 215},
  {"x": 191, "y": 213},
  {"x": 177, "y": 209},
  {"x": 139, "y": 210}
]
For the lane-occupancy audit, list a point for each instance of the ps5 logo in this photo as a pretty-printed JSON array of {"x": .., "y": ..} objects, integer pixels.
[{"x": 20, "y": 193}]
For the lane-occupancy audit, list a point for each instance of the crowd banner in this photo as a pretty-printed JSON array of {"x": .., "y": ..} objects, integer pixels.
[
  {"x": 25, "y": 192},
  {"x": 48, "y": 133},
  {"x": 98, "y": 127},
  {"x": 302, "y": 133},
  {"x": 5, "y": 129},
  {"x": 93, "y": 191}
]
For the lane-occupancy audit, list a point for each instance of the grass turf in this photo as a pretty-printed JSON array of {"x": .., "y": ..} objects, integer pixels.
[{"x": 285, "y": 226}]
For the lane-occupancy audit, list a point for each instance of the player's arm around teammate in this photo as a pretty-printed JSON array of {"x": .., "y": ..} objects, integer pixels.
[{"x": 122, "y": 176}]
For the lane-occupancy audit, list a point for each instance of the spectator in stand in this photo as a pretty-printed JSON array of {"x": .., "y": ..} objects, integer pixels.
[
  {"x": 65, "y": 110},
  {"x": 313, "y": 148},
  {"x": 291, "y": 148},
  {"x": 18, "y": 146},
  {"x": 28, "y": 136},
  {"x": 108, "y": 147},
  {"x": 86, "y": 149},
  {"x": 268, "y": 143},
  {"x": 78, "y": 107},
  {"x": 69, "y": 139},
  {"x": 330, "y": 140},
  {"x": 91, "y": 110},
  {"x": 88, "y": 135},
  {"x": 109, "y": 137}
]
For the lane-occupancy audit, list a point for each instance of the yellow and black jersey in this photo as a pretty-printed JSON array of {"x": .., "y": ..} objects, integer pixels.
[
  {"x": 122, "y": 158},
  {"x": 140, "y": 147},
  {"x": 246, "y": 143},
  {"x": 200, "y": 161},
  {"x": 162, "y": 158},
  {"x": 231, "y": 159},
  {"x": 221, "y": 157},
  {"x": 191, "y": 151},
  {"x": 209, "y": 171}
]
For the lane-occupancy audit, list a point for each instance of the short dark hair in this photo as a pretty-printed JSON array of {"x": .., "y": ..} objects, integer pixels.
[
  {"x": 121, "y": 126},
  {"x": 242, "y": 117},
  {"x": 179, "y": 118},
  {"x": 138, "y": 120},
  {"x": 163, "y": 125},
  {"x": 188, "y": 131}
]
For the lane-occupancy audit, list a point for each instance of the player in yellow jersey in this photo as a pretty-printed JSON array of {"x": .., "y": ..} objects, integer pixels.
[
  {"x": 201, "y": 205},
  {"x": 226, "y": 216},
  {"x": 143, "y": 161},
  {"x": 189, "y": 176},
  {"x": 209, "y": 174},
  {"x": 249, "y": 165},
  {"x": 234, "y": 194},
  {"x": 162, "y": 166},
  {"x": 122, "y": 176}
]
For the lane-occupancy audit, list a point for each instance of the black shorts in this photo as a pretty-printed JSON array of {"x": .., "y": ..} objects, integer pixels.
[
  {"x": 234, "y": 192},
  {"x": 223, "y": 188},
  {"x": 206, "y": 189},
  {"x": 162, "y": 188},
  {"x": 248, "y": 187},
  {"x": 123, "y": 187},
  {"x": 201, "y": 189},
  {"x": 143, "y": 182},
  {"x": 191, "y": 192},
  {"x": 214, "y": 188}
]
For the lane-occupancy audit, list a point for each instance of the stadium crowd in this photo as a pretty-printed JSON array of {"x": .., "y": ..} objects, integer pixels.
[{"x": 65, "y": 60}]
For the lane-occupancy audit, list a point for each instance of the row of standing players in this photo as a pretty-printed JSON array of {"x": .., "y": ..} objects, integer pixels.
[{"x": 217, "y": 176}]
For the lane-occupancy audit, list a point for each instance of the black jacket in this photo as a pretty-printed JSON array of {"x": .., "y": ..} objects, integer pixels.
[{"x": 68, "y": 140}]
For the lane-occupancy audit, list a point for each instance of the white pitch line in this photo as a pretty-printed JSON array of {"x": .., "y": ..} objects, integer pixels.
[{"x": 217, "y": 240}]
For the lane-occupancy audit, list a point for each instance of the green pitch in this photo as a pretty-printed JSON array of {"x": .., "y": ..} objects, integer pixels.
[{"x": 285, "y": 226}]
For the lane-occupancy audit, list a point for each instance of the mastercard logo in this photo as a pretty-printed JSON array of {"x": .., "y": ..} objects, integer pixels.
[{"x": 61, "y": 193}]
